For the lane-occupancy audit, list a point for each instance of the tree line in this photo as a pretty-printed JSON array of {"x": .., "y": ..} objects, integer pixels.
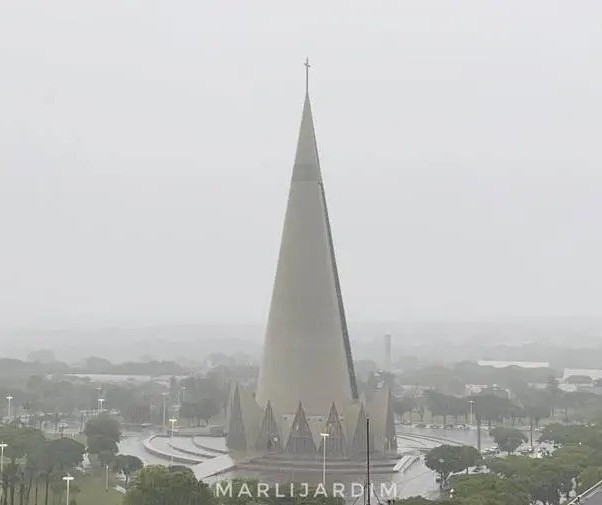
[{"x": 520, "y": 480}]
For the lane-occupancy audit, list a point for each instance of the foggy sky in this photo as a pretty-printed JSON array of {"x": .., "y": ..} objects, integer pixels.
[{"x": 146, "y": 149}]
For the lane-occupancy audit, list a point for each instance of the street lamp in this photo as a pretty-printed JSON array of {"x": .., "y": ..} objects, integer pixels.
[
  {"x": 324, "y": 437},
  {"x": 98, "y": 396},
  {"x": 164, "y": 395},
  {"x": 173, "y": 427},
  {"x": 441, "y": 481},
  {"x": 2, "y": 447},
  {"x": 471, "y": 403},
  {"x": 68, "y": 478},
  {"x": 9, "y": 398},
  {"x": 100, "y": 403}
]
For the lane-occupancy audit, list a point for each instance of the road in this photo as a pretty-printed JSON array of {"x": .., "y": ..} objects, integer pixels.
[
  {"x": 132, "y": 444},
  {"x": 427, "y": 438},
  {"x": 417, "y": 480},
  {"x": 594, "y": 499}
]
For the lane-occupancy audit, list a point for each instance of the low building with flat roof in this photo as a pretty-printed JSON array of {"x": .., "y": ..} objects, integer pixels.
[{"x": 521, "y": 364}]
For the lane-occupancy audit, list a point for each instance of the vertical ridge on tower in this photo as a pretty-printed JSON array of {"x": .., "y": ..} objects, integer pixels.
[{"x": 307, "y": 328}]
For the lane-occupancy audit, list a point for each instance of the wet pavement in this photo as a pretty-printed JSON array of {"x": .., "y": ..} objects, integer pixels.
[{"x": 416, "y": 480}]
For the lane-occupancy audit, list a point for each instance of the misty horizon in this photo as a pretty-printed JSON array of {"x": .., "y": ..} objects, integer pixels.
[{"x": 143, "y": 180}]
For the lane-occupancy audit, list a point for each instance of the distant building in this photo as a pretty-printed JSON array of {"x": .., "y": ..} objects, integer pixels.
[
  {"x": 592, "y": 373},
  {"x": 483, "y": 389},
  {"x": 581, "y": 379},
  {"x": 521, "y": 364},
  {"x": 474, "y": 389}
]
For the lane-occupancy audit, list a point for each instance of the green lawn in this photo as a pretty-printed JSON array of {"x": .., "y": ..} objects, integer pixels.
[
  {"x": 87, "y": 489},
  {"x": 92, "y": 490}
]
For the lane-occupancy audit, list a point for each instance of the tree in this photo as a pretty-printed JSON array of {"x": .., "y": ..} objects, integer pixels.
[
  {"x": 122, "y": 398},
  {"x": 437, "y": 378},
  {"x": 537, "y": 404},
  {"x": 489, "y": 490},
  {"x": 208, "y": 407},
  {"x": 102, "y": 435},
  {"x": 446, "y": 405},
  {"x": 103, "y": 425},
  {"x": 547, "y": 479},
  {"x": 20, "y": 441},
  {"x": 571, "y": 434},
  {"x": 203, "y": 409},
  {"x": 553, "y": 393},
  {"x": 158, "y": 485},
  {"x": 588, "y": 477},
  {"x": 64, "y": 453},
  {"x": 94, "y": 364},
  {"x": 52, "y": 458},
  {"x": 128, "y": 465},
  {"x": 403, "y": 405},
  {"x": 190, "y": 410},
  {"x": 469, "y": 457},
  {"x": 99, "y": 444},
  {"x": 492, "y": 408},
  {"x": 447, "y": 459},
  {"x": 511, "y": 467},
  {"x": 106, "y": 457},
  {"x": 42, "y": 356},
  {"x": 508, "y": 439}
]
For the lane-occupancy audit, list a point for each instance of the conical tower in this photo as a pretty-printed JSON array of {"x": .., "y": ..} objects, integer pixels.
[{"x": 307, "y": 356}]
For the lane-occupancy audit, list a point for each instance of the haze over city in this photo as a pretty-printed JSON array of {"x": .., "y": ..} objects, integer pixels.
[
  {"x": 143, "y": 178},
  {"x": 345, "y": 250}
]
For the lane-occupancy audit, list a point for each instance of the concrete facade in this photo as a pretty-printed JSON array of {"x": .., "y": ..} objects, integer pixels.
[
  {"x": 306, "y": 328},
  {"x": 307, "y": 383}
]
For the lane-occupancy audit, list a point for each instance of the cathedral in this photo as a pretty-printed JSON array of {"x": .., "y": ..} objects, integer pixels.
[{"x": 307, "y": 394}]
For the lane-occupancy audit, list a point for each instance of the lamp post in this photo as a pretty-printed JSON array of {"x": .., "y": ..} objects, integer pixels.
[
  {"x": 324, "y": 438},
  {"x": 106, "y": 478},
  {"x": 98, "y": 397},
  {"x": 9, "y": 398},
  {"x": 68, "y": 478},
  {"x": 471, "y": 403},
  {"x": 2, "y": 447},
  {"x": 441, "y": 482},
  {"x": 100, "y": 403},
  {"x": 164, "y": 395},
  {"x": 173, "y": 427}
]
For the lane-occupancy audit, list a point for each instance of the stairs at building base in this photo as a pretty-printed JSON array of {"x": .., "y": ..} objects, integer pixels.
[{"x": 276, "y": 463}]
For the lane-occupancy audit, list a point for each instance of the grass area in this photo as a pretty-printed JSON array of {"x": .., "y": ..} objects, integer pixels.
[
  {"x": 87, "y": 489},
  {"x": 92, "y": 490}
]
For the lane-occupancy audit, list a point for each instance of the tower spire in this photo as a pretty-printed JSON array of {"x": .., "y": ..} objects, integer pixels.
[
  {"x": 307, "y": 67},
  {"x": 307, "y": 321}
]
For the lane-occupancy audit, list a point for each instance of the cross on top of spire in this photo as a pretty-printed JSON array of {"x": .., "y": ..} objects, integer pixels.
[{"x": 307, "y": 67}]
